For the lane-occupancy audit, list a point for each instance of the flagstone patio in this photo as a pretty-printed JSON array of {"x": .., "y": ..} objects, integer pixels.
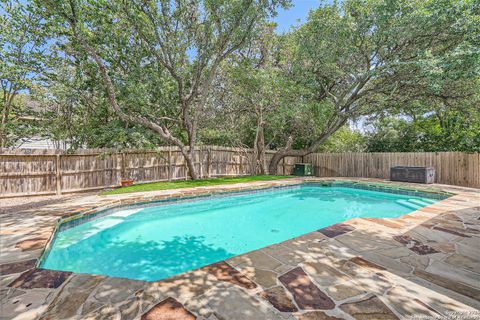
[{"x": 423, "y": 263}]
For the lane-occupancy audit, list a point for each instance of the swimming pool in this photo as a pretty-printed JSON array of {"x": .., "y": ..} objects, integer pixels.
[{"x": 159, "y": 240}]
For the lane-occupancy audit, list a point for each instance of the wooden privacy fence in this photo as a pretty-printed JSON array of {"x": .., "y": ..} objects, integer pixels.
[
  {"x": 455, "y": 168},
  {"x": 42, "y": 172},
  {"x": 37, "y": 172}
]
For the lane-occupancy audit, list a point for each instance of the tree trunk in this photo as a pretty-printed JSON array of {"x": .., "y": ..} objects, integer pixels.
[
  {"x": 280, "y": 154},
  {"x": 188, "y": 156},
  {"x": 3, "y": 138},
  {"x": 288, "y": 152},
  {"x": 4, "y": 121},
  {"x": 277, "y": 157},
  {"x": 260, "y": 159}
]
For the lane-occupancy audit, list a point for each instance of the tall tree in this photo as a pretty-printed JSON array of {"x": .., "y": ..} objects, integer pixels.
[
  {"x": 428, "y": 127},
  {"x": 252, "y": 86},
  {"x": 157, "y": 59},
  {"x": 23, "y": 37},
  {"x": 367, "y": 55}
]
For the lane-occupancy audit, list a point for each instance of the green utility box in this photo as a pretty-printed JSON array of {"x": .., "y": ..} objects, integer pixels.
[{"x": 303, "y": 169}]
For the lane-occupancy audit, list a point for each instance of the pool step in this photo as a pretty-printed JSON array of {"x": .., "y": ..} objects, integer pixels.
[
  {"x": 408, "y": 204},
  {"x": 429, "y": 201},
  {"x": 422, "y": 203}
]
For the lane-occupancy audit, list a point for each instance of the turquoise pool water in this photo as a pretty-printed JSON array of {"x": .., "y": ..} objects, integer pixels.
[{"x": 156, "y": 242}]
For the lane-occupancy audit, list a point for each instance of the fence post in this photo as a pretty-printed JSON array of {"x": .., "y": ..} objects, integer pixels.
[
  {"x": 209, "y": 161},
  {"x": 240, "y": 170},
  {"x": 169, "y": 168},
  {"x": 123, "y": 170},
  {"x": 200, "y": 161},
  {"x": 185, "y": 168},
  {"x": 58, "y": 174}
]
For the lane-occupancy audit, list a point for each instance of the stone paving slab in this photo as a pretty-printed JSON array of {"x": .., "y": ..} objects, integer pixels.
[{"x": 424, "y": 263}]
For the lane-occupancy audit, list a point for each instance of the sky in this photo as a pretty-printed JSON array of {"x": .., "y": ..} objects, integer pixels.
[{"x": 295, "y": 15}]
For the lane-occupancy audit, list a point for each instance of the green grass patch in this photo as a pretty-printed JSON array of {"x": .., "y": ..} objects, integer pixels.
[{"x": 189, "y": 184}]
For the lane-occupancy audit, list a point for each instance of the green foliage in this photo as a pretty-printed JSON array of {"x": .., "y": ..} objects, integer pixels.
[
  {"x": 364, "y": 56},
  {"x": 253, "y": 93},
  {"x": 345, "y": 140},
  {"x": 453, "y": 130},
  {"x": 157, "y": 59},
  {"x": 23, "y": 35},
  {"x": 23, "y": 53},
  {"x": 215, "y": 72}
]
